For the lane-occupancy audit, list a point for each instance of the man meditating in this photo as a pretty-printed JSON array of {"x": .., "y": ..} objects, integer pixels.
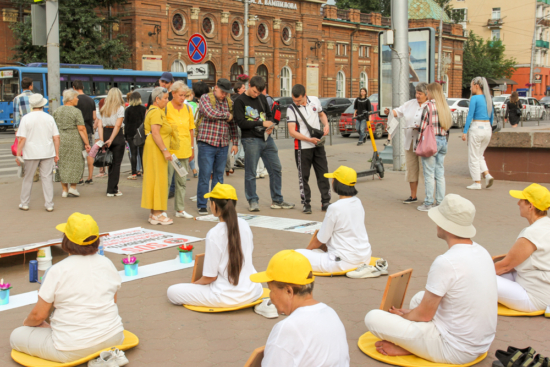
[
  {"x": 454, "y": 320},
  {"x": 312, "y": 334}
]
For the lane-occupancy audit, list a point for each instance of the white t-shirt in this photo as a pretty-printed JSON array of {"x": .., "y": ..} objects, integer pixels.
[
  {"x": 216, "y": 257},
  {"x": 311, "y": 112},
  {"x": 111, "y": 120},
  {"x": 310, "y": 336},
  {"x": 412, "y": 113},
  {"x": 82, "y": 290},
  {"x": 38, "y": 128},
  {"x": 343, "y": 230},
  {"x": 534, "y": 273},
  {"x": 467, "y": 315}
]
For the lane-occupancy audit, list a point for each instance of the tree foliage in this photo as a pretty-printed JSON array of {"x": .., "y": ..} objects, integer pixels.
[
  {"x": 485, "y": 58},
  {"x": 83, "y": 35}
]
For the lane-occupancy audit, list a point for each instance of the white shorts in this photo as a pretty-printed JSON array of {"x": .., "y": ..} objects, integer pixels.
[{"x": 202, "y": 295}]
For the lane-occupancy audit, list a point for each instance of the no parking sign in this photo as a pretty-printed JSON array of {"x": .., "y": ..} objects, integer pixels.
[{"x": 197, "y": 48}]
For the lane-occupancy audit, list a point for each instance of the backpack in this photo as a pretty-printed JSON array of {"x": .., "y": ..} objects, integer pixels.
[
  {"x": 199, "y": 118},
  {"x": 140, "y": 137},
  {"x": 276, "y": 112}
]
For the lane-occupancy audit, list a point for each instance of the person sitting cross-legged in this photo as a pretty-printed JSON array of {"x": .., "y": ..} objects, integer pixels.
[
  {"x": 454, "y": 321},
  {"x": 342, "y": 242},
  {"x": 523, "y": 276},
  {"x": 312, "y": 333}
]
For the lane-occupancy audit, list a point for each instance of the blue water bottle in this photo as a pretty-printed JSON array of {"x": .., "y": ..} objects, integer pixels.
[
  {"x": 33, "y": 271},
  {"x": 100, "y": 248}
]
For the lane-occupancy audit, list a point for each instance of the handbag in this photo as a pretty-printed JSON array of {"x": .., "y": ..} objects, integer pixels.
[
  {"x": 14, "y": 147},
  {"x": 103, "y": 158},
  {"x": 427, "y": 145},
  {"x": 315, "y": 133}
]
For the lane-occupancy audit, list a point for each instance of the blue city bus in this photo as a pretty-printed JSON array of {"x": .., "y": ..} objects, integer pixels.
[{"x": 96, "y": 82}]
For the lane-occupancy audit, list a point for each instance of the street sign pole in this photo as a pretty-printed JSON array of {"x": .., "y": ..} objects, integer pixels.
[
  {"x": 245, "y": 66},
  {"x": 52, "y": 29}
]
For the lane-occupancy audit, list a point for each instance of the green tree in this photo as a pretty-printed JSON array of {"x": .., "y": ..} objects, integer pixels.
[
  {"x": 83, "y": 35},
  {"x": 367, "y": 6},
  {"x": 485, "y": 58},
  {"x": 456, "y": 16}
]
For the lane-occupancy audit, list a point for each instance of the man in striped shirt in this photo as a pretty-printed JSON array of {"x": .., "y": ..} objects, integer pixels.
[{"x": 217, "y": 130}]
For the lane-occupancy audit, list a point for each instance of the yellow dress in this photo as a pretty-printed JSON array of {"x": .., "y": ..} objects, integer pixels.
[{"x": 154, "y": 193}]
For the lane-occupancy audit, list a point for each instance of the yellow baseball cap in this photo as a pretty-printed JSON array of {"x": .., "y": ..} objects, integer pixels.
[
  {"x": 345, "y": 175},
  {"x": 222, "y": 191},
  {"x": 287, "y": 266},
  {"x": 536, "y": 194},
  {"x": 78, "y": 228}
]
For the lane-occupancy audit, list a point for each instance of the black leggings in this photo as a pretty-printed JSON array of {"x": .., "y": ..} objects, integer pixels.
[
  {"x": 117, "y": 148},
  {"x": 134, "y": 151}
]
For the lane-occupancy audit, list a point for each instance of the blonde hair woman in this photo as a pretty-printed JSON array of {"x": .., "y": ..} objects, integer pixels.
[
  {"x": 110, "y": 131},
  {"x": 432, "y": 167}
]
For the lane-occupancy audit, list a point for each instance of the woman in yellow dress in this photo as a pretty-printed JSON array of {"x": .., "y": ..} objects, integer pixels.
[{"x": 156, "y": 155}]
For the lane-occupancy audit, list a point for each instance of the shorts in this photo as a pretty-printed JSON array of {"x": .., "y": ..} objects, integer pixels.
[
  {"x": 412, "y": 162},
  {"x": 91, "y": 139}
]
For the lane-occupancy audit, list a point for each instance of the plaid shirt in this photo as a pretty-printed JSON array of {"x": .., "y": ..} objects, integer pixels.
[
  {"x": 430, "y": 108},
  {"x": 21, "y": 107},
  {"x": 214, "y": 129}
]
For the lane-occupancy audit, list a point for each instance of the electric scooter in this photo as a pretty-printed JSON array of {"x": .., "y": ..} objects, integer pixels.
[{"x": 376, "y": 166}]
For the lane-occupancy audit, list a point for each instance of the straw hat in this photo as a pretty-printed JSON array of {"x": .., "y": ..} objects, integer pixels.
[{"x": 455, "y": 215}]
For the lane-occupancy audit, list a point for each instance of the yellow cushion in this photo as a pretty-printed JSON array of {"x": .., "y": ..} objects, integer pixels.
[
  {"x": 130, "y": 341},
  {"x": 505, "y": 311},
  {"x": 366, "y": 344},
  {"x": 318, "y": 274},
  {"x": 225, "y": 309}
]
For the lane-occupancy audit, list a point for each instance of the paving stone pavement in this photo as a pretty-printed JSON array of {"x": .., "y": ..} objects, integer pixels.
[{"x": 173, "y": 336}]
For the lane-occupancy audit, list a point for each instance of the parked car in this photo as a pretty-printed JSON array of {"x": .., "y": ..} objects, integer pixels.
[
  {"x": 532, "y": 109},
  {"x": 145, "y": 93},
  {"x": 334, "y": 106},
  {"x": 458, "y": 105},
  {"x": 347, "y": 125},
  {"x": 545, "y": 101}
]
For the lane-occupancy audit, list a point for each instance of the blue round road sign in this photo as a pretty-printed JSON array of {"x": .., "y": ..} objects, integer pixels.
[{"x": 197, "y": 48}]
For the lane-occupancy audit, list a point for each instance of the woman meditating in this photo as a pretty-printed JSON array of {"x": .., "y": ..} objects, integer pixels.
[
  {"x": 523, "y": 276},
  {"x": 343, "y": 230},
  {"x": 225, "y": 280},
  {"x": 83, "y": 290}
]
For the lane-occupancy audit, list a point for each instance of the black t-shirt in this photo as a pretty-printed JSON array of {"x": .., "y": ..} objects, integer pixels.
[
  {"x": 150, "y": 102},
  {"x": 246, "y": 120},
  {"x": 133, "y": 118},
  {"x": 86, "y": 105},
  {"x": 362, "y": 105}
]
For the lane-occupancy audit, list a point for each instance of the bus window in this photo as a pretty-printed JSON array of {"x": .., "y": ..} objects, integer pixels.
[
  {"x": 85, "y": 82},
  {"x": 9, "y": 89},
  {"x": 37, "y": 82},
  {"x": 64, "y": 83},
  {"x": 102, "y": 84},
  {"x": 144, "y": 82},
  {"x": 123, "y": 83}
]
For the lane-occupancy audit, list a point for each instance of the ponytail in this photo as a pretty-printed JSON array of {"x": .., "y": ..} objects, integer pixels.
[
  {"x": 228, "y": 214},
  {"x": 482, "y": 82}
]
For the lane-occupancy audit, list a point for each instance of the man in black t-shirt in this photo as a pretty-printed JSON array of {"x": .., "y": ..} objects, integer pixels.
[
  {"x": 361, "y": 105},
  {"x": 86, "y": 105},
  {"x": 253, "y": 116}
]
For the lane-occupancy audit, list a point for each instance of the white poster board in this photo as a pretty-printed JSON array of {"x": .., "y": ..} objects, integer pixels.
[
  {"x": 197, "y": 71},
  {"x": 281, "y": 224},
  {"x": 151, "y": 63},
  {"x": 312, "y": 85}
]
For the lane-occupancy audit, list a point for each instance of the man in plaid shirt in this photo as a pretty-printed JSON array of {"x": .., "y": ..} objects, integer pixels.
[
  {"x": 21, "y": 105},
  {"x": 217, "y": 130}
]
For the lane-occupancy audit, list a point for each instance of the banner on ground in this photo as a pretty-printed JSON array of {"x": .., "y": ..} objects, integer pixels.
[
  {"x": 139, "y": 240},
  {"x": 281, "y": 224}
]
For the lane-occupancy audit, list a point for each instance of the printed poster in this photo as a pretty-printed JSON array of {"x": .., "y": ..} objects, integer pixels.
[{"x": 281, "y": 224}]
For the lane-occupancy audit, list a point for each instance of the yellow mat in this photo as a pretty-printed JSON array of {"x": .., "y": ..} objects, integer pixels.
[
  {"x": 130, "y": 341},
  {"x": 505, "y": 311},
  {"x": 226, "y": 309},
  {"x": 318, "y": 274},
  {"x": 366, "y": 344}
]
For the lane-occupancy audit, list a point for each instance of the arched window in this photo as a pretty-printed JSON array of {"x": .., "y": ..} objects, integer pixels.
[
  {"x": 340, "y": 85},
  {"x": 262, "y": 71},
  {"x": 211, "y": 81},
  {"x": 364, "y": 81},
  {"x": 178, "y": 66},
  {"x": 236, "y": 70},
  {"x": 446, "y": 86},
  {"x": 286, "y": 81}
]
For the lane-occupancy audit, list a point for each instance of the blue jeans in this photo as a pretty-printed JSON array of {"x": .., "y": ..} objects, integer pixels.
[
  {"x": 361, "y": 126},
  {"x": 254, "y": 149},
  {"x": 431, "y": 167},
  {"x": 211, "y": 160}
]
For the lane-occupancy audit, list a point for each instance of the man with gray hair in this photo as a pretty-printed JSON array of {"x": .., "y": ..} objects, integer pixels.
[
  {"x": 38, "y": 146},
  {"x": 454, "y": 321}
]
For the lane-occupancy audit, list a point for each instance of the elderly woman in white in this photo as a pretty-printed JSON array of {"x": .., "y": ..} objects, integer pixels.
[{"x": 412, "y": 113}]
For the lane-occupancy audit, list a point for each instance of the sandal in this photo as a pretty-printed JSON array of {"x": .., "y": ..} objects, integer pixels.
[
  {"x": 101, "y": 174},
  {"x": 138, "y": 174},
  {"x": 195, "y": 174},
  {"x": 132, "y": 177},
  {"x": 160, "y": 219}
]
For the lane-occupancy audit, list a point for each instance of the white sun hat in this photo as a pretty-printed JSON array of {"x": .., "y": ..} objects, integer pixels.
[
  {"x": 37, "y": 100},
  {"x": 455, "y": 215}
]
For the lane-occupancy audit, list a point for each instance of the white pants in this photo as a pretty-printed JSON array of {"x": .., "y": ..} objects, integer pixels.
[
  {"x": 46, "y": 171},
  {"x": 38, "y": 342},
  {"x": 420, "y": 338},
  {"x": 479, "y": 137},
  {"x": 326, "y": 263},
  {"x": 513, "y": 295},
  {"x": 202, "y": 295}
]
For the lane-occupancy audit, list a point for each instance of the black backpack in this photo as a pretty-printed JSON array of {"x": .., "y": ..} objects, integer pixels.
[{"x": 140, "y": 137}]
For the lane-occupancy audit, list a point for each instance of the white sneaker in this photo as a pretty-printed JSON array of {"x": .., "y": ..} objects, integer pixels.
[
  {"x": 105, "y": 359},
  {"x": 64, "y": 194},
  {"x": 183, "y": 214},
  {"x": 119, "y": 357},
  {"x": 369, "y": 271},
  {"x": 23, "y": 207},
  {"x": 117, "y": 194},
  {"x": 50, "y": 209},
  {"x": 264, "y": 173},
  {"x": 474, "y": 186},
  {"x": 74, "y": 192},
  {"x": 193, "y": 198},
  {"x": 489, "y": 180},
  {"x": 266, "y": 309}
]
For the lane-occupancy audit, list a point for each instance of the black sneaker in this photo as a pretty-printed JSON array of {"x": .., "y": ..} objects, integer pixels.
[
  {"x": 410, "y": 200},
  {"x": 203, "y": 211},
  {"x": 89, "y": 182},
  {"x": 360, "y": 143},
  {"x": 324, "y": 207},
  {"x": 239, "y": 163},
  {"x": 171, "y": 195},
  {"x": 307, "y": 209},
  {"x": 281, "y": 205},
  {"x": 81, "y": 182}
]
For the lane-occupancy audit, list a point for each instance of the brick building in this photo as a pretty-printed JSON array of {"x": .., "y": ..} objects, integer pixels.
[{"x": 331, "y": 51}]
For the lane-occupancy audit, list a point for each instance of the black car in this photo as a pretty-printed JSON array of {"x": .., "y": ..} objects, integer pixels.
[
  {"x": 334, "y": 107},
  {"x": 545, "y": 101}
]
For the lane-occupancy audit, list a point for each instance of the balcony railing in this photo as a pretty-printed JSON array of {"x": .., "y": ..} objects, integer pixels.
[
  {"x": 495, "y": 23},
  {"x": 366, "y": 18},
  {"x": 342, "y": 14},
  {"x": 543, "y": 44},
  {"x": 447, "y": 28},
  {"x": 386, "y": 21},
  {"x": 544, "y": 22}
]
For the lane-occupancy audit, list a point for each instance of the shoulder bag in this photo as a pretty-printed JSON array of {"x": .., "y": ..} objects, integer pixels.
[
  {"x": 103, "y": 158},
  {"x": 427, "y": 145},
  {"x": 315, "y": 133}
]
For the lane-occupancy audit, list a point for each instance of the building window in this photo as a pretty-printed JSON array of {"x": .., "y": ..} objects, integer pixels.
[
  {"x": 236, "y": 70},
  {"x": 364, "y": 51},
  {"x": 286, "y": 82},
  {"x": 364, "y": 81},
  {"x": 262, "y": 31},
  {"x": 342, "y": 49},
  {"x": 446, "y": 86},
  {"x": 286, "y": 35},
  {"x": 207, "y": 25},
  {"x": 211, "y": 81},
  {"x": 178, "y": 22},
  {"x": 495, "y": 34},
  {"x": 461, "y": 14},
  {"x": 496, "y": 13},
  {"x": 178, "y": 66},
  {"x": 236, "y": 29},
  {"x": 341, "y": 85},
  {"x": 262, "y": 71}
]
